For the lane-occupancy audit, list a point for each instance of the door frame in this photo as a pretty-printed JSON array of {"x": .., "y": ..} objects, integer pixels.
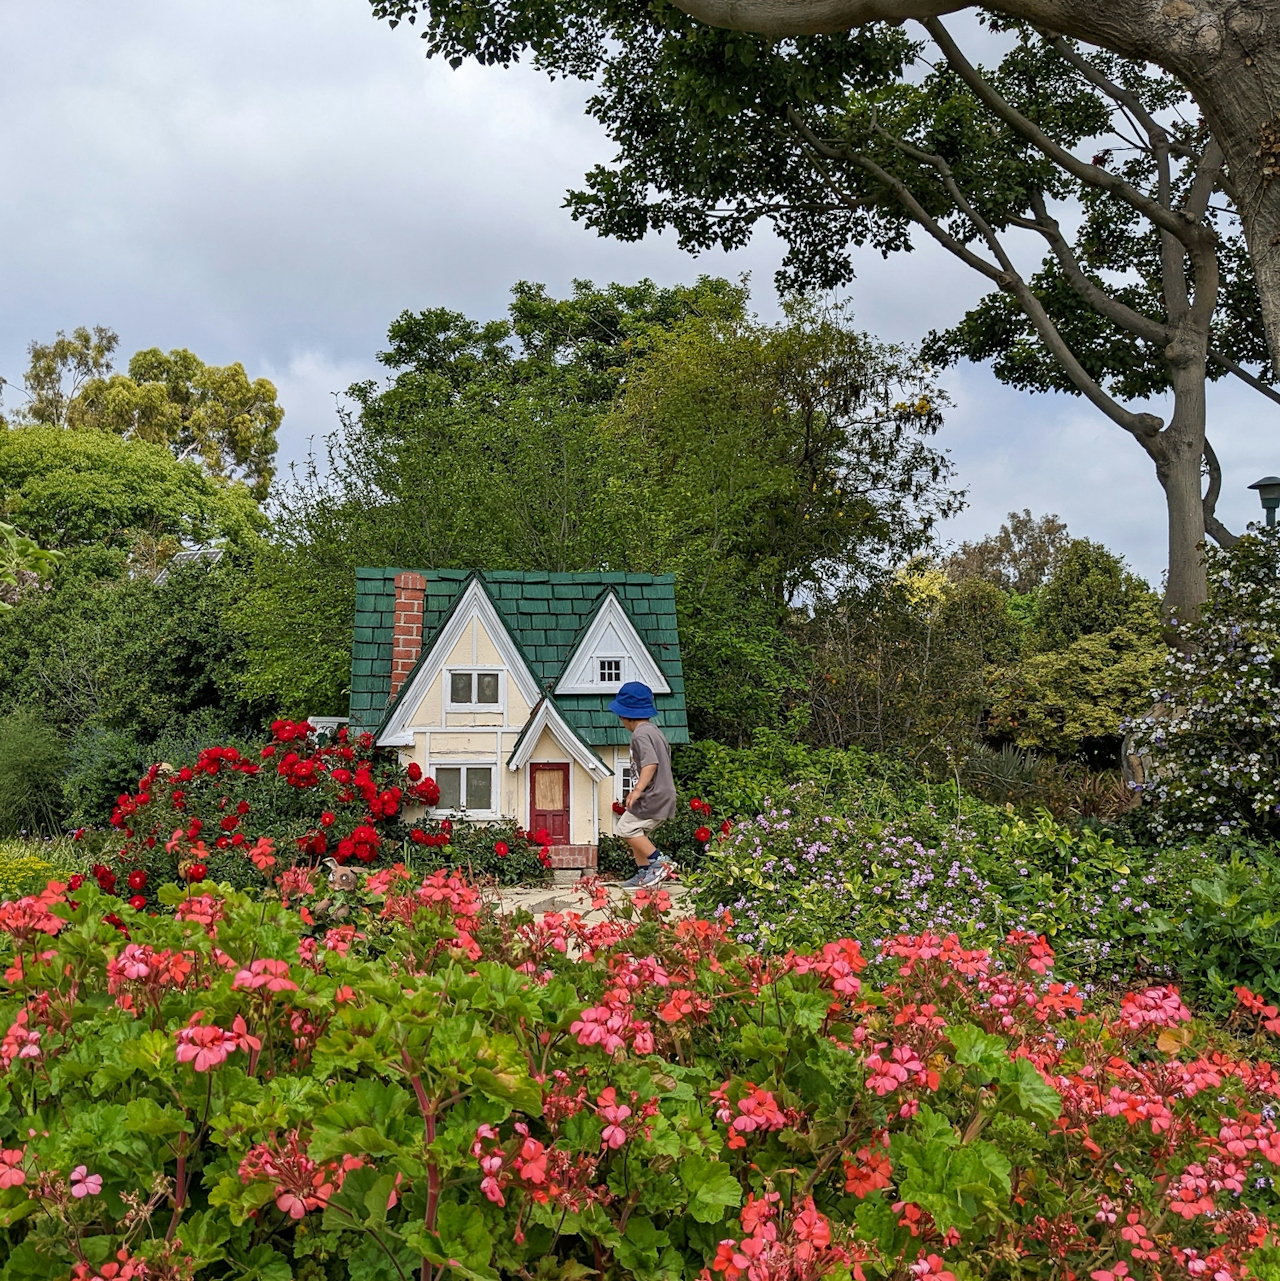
[{"x": 566, "y": 768}]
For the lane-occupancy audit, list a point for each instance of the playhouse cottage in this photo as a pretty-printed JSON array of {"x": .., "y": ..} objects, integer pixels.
[{"x": 498, "y": 685}]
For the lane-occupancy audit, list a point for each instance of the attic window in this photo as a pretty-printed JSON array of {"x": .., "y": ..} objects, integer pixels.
[
  {"x": 611, "y": 671},
  {"x": 467, "y": 689}
]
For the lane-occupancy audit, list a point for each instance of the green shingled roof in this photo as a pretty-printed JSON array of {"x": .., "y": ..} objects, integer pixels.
[{"x": 546, "y": 615}]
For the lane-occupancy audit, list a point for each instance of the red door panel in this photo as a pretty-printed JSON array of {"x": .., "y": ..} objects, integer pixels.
[{"x": 549, "y": 801}]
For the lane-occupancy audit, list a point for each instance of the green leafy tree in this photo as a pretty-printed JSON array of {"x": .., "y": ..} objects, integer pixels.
[
  {"x": 94, "y": 491},
  {"x": 1018, "y": 558},
  {"x": 207, "y": 412},
  {"x": 821, "y": 126},
  {"x": 210, "y": 412},
  {"x": 1079, "y": 697},
  {"x": 59, "y": 370},
  {"x": 626, "y": 428},
  {"x": 1091, "y": 592},
  {"x": 24, "y": 565}
]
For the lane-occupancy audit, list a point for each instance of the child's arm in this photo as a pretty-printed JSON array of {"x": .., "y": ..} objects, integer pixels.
[{"x": 646, "y": 777}]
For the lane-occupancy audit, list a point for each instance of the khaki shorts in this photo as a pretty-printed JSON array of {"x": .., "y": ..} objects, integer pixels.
[{"x": 628, "y": 825}]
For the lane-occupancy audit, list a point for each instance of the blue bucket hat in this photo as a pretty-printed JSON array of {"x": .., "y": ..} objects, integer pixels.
[{"x": 635, "y": 702}]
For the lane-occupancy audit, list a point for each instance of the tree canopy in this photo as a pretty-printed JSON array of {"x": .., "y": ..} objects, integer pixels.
[
  {"x": 211, "y": 413},
  {"x": 620, "y": 428},
  {"x": 73, "y": 490},
  {"x": 859, "y": 137}
]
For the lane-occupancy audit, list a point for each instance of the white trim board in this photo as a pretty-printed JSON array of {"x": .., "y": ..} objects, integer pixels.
[
  {"x": 474, "y": 604},
  {"x": 547, "y": 716},
  {"x": 612, "y": 634}
]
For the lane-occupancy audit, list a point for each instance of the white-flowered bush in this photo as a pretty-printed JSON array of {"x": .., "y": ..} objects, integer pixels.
[{"x": 1210, "y": 749}]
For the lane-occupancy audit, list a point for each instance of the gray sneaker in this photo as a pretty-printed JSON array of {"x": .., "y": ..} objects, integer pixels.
[{"x": 647, "y": 877}]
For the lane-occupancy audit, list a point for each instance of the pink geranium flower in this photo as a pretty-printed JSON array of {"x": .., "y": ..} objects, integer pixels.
[{"x": 83, "y": 1183}]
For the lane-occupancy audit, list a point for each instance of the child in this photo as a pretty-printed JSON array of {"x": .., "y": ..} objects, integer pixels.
[{"x": 652, "y": 799}]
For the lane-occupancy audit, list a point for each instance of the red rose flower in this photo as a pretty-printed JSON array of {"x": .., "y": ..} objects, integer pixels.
[
  {"x": 138, "y": 902},
  {"x": 197, "y": 872},
  {"x": 696, "y": 804},
  {"x": 137, "y": 879},
  {"x": 268, "y": 752},
  {"x": 229, "y": 823},
  {"x": 419, "y": 837},
  {"x": 619, "y": 807},
  {"x": 327, "y": 819},
  {"x": 242, "y": 808},
  {"x": 107, "y": 881},
  {"x": 238, "y": 839},
  {"x": 223, "y": 842},
  {"x": 703, "y": 834},
  {"x": 75, "y": 882},
  {"x": 414, "y": 771},
  {"x": 725, "y": 828},
  {"x": 501, "y": 849}
]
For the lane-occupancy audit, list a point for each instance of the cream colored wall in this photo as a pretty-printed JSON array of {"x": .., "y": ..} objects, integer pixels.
[
  {"x": 475, "y": 648},
  {"x": 462, "y": 738},
  {"x": 610, "y": 791}
]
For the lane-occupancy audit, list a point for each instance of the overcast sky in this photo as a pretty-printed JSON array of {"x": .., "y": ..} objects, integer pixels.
[{"x": 272, "y": 181}]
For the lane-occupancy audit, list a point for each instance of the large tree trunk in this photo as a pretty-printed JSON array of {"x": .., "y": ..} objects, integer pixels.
[{"x": 1180, "y": 449}]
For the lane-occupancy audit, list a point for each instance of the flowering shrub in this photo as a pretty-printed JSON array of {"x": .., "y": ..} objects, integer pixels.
[
  {"x": 340, "y": 800},
  {"x": 431, "y": 1089},
  {"x": 1209, "y": 750},
  {"x": 794, "y": 876}
]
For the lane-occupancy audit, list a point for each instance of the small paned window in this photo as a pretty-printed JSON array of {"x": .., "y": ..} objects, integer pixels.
[
  {"x": 611, "y": 671},
  {"x": 476, "y": 688}
]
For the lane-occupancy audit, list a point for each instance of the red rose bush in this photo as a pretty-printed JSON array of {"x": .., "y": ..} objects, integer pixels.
[
  {"x": 396, "y": 1081},
  {"x": 241, "y": 817}
]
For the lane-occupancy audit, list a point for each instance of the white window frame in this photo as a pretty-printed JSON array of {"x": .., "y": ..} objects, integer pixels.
[
  {"x": 624, "y": 675},
  {"x": 484, "y": 709},
  {"x": 495, "y": 796},
  {"x": 625, "y": 781}
]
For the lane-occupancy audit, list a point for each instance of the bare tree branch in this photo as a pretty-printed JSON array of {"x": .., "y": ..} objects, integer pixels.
[
  {"x": 1093, "y": 175},
  {"x": 1225, "y": 362},
  {"x": 1145, "y": 427},
  {"x": 1212, "y": 525}
]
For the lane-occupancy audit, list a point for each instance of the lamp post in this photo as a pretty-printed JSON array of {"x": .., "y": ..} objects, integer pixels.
[{"x": 1269, "y": 492}]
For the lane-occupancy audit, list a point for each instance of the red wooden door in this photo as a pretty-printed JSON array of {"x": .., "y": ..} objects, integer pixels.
[{"x": 549, "y": 801}]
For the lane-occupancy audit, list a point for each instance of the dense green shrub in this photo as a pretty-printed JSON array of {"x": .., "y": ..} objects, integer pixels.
[
  {"x": 32, "y": 759},
  {"x": 250, "y": 1089},
  {"x": 1210, "y": 750},
  {"x": 738, "y": 781}
]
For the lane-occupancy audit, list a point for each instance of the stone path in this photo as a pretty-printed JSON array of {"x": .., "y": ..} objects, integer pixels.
[{"x": 565, "y": 898}]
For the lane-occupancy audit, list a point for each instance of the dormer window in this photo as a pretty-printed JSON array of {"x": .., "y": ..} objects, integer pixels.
[{"x": 610, "y": 671}]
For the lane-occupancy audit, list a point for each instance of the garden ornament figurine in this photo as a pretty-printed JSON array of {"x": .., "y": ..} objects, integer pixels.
[{"x": 652, "y": 799}]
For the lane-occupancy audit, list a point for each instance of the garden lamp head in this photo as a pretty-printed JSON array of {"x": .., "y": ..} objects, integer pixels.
[{"x": 1269, "y": 492}]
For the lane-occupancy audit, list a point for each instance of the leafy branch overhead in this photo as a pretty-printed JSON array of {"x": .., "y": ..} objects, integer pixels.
[
  {"x": 23, "y": 563},
  {"x": 866, "y": 138}
]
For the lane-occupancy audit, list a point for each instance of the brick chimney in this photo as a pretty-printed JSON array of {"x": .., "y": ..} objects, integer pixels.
[{"x": 407, "y": 634}]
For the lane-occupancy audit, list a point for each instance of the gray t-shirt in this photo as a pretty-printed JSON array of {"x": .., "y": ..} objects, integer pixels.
[{"x": 649, "y": 747}]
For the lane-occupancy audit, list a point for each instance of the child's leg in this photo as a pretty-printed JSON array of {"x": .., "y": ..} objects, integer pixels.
[{"x": 642, "y": 848}]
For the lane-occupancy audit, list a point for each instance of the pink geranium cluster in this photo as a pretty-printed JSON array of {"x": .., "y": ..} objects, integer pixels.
[
  {"x": 753, "y": 1109},
  {"x": 797, "y": 1246},
  {"x": 206, "y": 1047},
  {"x": 300, "y": 1184}
]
